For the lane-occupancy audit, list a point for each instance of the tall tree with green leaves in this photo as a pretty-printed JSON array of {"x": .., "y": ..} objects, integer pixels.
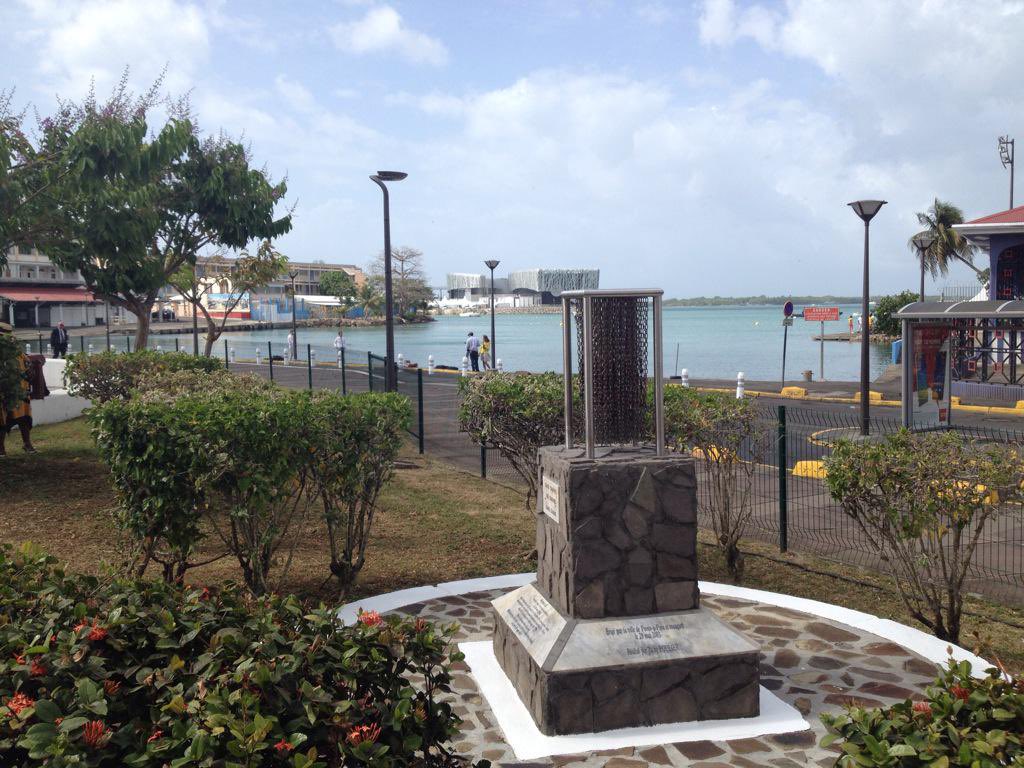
[
  {"x": 370, "y": 298},
  {"x": 247, "y": 273},
  {"x": 341, "y": 286},
  {"x": 949, "y": 245},
  {"x": 182, "y": 195}
]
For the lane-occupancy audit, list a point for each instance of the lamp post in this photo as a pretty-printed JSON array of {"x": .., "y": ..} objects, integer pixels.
[
  {"x": 866, "y": 209},
  {"x": 1006, "y": 157},
  {"x": 492, "y": 265},
  {"x": 922, "y": 242},
  {"x": 390, "y": 384},
  {"x": 294, "y": 352}
]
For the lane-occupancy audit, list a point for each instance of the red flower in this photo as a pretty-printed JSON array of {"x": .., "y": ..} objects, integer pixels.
[
  {"x": 363, "y": 733},
  {"x": 960, "y": 692},
  {"x": 95, "y": 734},
  {"x": 38, "y": 669},
  {"x": 923, "y": 707},
  {"x": 97, "y": 633},
  {"x": 20, "y": 702},
  {"x": 157, "y": 734},
  {"x": 370, "y": 619},
  {"x": 205, "y": 594},
  {"x": 19, "y": 659},
  {"x": 111, "y": 687},
  {"x": 284, "y": 746},
  {"x": 421, "y": 624},
  {"x": 80, "y": 625}
]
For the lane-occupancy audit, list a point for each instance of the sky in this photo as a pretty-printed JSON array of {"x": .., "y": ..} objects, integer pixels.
[{"x": 706, "y": 148}]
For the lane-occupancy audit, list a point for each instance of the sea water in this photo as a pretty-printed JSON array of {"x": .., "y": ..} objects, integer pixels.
[{"x": 710, "y": 342}]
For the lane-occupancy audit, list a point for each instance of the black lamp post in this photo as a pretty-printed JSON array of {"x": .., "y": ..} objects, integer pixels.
[
  {"x": 390, "y": 383},
  {"x": 295, "y": 336},
  {"x": 922, "y": 242},
  {"x": 492, "y": 264},
  {"x": 866, "y": 209}
]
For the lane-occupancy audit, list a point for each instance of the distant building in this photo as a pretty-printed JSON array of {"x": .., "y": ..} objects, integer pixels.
[
  {"x": 36, "y": 293},
  {"x": 307, "y": 281},
  {"x": 522, "y": 287}
]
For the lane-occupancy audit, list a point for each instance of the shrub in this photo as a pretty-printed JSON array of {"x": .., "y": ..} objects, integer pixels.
[
  {"x": 964, "y": 721},
  {"x": 110, "y": 376},
  {"x": 11, "y": 375},
  {"x": 247, "y": 459},
  {"x": 355, "y": 443},
  {"x": 922, "y": 501},
  {"x": 144, "y": 674},
  {"x": 886, "y": 308},
  {"x": 170, "y": 385},
  {"x": 517, "y": 413},
  {"x": 723, "y": 433}
]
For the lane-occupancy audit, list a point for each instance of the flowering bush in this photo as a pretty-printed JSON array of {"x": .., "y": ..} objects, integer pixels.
[
  {"x": 964, "y": 721},
  {"x": 111, "y": 673},
  {"x": 111, "y": 375}
]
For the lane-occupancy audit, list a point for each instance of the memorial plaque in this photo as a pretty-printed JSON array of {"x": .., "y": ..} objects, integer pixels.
[
  {"x": 532, "y": 619},
  {"x": 552, "y": 497},
  {"x": 687, "y": 634}
]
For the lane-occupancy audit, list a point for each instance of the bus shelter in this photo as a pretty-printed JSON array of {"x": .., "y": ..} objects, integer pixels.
[{"x": 966, "y": 341}]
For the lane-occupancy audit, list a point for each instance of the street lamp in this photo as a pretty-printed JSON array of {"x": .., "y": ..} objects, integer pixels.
[
  {"x": 1006, "y": 157},
  {"x": 390, "y": 384},
  {"x": 866, "y": 209},
  {"x": 492, "y": 265},
  {"x": 294, "y": 351},
  {"x": 922, "y": 242}
]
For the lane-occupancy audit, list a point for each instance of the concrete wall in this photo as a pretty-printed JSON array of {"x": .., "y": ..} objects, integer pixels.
[{"x": 59, "y": 406}]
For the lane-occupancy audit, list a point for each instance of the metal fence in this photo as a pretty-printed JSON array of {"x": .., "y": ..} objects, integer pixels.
[{"x": 791, "y": 505}]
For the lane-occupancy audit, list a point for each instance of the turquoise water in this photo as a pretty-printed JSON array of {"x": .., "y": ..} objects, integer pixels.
[{"x": 713, "y": 342}]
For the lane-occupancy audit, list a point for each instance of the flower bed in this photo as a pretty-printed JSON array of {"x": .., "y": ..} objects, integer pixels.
[{"x": 116, "y": 672}]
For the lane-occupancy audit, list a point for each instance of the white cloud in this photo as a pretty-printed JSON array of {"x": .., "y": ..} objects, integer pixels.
[
  {"x": 381, "y": 30},
  {"x": 97, "y": 39},
  {"x": 656, "y": 13}
]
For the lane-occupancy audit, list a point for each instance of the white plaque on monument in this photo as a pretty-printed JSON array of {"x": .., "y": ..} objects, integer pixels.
[
  {"x": 552, "y": 497},
  {"x": 532, "y": 618}
]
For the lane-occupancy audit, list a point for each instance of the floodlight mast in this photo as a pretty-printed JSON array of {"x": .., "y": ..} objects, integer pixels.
[{"x": 1006, "y": 156}]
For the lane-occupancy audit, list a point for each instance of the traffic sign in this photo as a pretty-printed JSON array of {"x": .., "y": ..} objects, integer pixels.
[
  {"x": 787, "y": 321},
  {"x": 787, "y": 309},
  {"x": 821, "y": 314}
]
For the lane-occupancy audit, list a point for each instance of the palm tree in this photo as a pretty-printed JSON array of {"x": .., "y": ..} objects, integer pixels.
[
  {"x": 948, "y": 243},
  {"x": 369, "y": 299}
]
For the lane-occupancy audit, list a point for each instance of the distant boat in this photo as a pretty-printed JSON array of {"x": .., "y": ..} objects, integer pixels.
[{"x": 469, "y": 314}]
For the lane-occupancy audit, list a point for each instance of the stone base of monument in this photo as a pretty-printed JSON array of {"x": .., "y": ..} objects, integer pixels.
[{"x": 590, "y": 675}]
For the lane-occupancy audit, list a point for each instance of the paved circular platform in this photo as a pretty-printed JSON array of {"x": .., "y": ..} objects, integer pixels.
[{"x": 814, "y": 663}]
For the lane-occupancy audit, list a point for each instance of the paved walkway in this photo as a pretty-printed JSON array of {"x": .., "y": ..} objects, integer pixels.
[{"x": 813, "y": 664}]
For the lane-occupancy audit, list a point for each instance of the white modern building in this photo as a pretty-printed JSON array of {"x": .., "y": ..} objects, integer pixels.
[{"x": 522, "y": 287}]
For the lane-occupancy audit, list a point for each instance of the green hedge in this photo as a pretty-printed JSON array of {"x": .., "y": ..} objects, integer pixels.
[
  {"x": 144, "y": 674},
  {"x": 249, "y": 462},
  {"x": 111, "y": 375}
]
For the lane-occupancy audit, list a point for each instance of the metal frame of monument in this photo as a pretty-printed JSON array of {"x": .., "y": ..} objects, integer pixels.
[
  {"x": 987, "y": 342},
  {"x": 611, "y": 634}
]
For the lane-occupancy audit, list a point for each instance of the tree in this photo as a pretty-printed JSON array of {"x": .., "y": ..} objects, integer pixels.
[
  {"x": 886, "y": 322},
  {"x": 247, "y": 273},
  {"x": 408, "y": 282},
  {"x": 369, "y": 299},
  {"x": 340, "y": 285},
  {"x": 948, "y": 244},
  {"x": 136, "y": 208}
]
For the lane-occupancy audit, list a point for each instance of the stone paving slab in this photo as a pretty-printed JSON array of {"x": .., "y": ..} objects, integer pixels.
[{"x": 814, "y": 664}]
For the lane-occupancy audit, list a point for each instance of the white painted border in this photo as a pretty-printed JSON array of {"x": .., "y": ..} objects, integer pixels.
[
  {"x": 528, "y": 743},
  {"x": 921, "y": 643}
]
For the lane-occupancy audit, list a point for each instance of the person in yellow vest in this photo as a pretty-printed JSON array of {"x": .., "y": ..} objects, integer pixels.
[
  {"x": 17, "y": 410},
  {"x": 485, "y": 353}
]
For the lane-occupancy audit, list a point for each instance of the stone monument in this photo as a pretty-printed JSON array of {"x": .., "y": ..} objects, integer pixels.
[{"x": 612, "y": 635}]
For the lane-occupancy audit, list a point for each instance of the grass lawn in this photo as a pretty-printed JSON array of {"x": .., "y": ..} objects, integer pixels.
[{"x": 434, "y": 524}]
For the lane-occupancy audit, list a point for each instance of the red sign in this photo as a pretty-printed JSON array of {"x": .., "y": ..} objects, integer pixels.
[{"x": 821, "y": 314}]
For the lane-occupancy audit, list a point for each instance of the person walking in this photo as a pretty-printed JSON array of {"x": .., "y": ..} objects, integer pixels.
[
  {"x": 339, "y": 342},
  {"x": 16, "y": 404},
  {"x": 290, "y": 346},
  {"x": 473, "y": 351},
  {"x": 485, "y": 353},
  {"x": 59, "y": 341}
]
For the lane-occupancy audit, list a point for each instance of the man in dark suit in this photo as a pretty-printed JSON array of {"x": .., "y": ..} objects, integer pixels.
[{"x": 59, "y": 341}]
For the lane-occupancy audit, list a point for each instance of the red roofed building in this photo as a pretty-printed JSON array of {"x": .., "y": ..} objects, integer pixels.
[
  {"x": 36, "y": 293},
  {"x": 1001, "y": 236}
]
